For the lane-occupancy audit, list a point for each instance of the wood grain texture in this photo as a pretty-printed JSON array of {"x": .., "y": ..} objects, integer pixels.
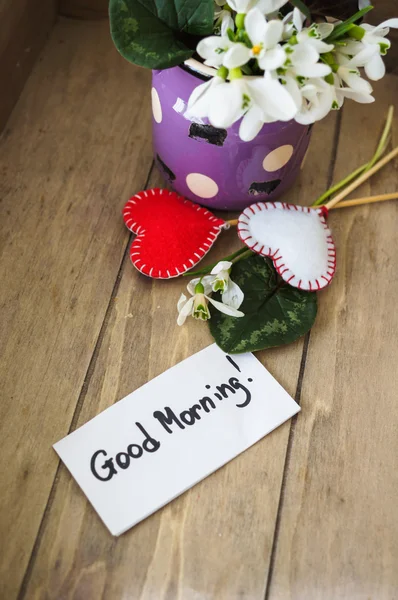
[
  {"x": 78, "y": 334},
  {"x": 338, "y": 535},
  {"x": 84, "y": 9},
  {"x": 214, "y": 541},
  {"x": 24, "y": 27},
  {"x": 76, "y": 144}
]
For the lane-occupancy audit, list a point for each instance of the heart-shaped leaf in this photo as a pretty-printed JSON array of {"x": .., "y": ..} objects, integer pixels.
[
  {"x": 148, "y": 32},
  {"x": 275, "y": 313}
]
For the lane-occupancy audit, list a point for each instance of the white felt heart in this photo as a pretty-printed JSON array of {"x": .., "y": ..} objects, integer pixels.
[{"x": 296, "y": 238}]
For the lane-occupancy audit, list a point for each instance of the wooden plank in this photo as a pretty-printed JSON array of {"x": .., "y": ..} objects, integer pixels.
[
  {"x": 339, "y": 519},
  {"x": 84, "y": 9},
  {"x": 215, "y": 540},
  {"x": 24, "y": 27},
  {"x": 77, "y": 142}
]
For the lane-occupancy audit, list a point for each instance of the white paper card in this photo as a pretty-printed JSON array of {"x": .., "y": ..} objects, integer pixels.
[{"x": 165, "y": 437}]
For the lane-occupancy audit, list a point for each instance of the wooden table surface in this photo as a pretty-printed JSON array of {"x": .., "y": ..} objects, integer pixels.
[{"x": 308, "y": 513}]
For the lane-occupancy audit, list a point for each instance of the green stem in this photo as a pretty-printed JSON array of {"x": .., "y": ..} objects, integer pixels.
[
  {"x": 244, "y": 255},
  {"x": 381, "y": 148},
  {"x": 382, "y": 145},
  {"x": 206, "y": 270},
  {"x": 240, "y": 21},
  {"x": 337, "y": 186}
]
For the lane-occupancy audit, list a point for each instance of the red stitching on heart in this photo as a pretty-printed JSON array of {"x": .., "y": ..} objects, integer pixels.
[{"x": 273, "y": 254}]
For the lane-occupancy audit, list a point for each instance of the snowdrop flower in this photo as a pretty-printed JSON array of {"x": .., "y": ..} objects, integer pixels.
[
  {"x": 228, "y": 102},
  {"x": 318, "y": 96},
  {"x": 257, "y": 99},
  {"x": 374, "y": 38},
  {"x": 241, "y": 6},
  {"x": 265, "y": 37},
  {"x": 223, "y": 18},
  {"x": 197, "y": 306},
  {"x": 303, "y": 61},
  {"x": 265, "y": 6},
  {"x": 292, "y": 23},
  {"x": 271, "y": 101},
  {"x": 349, "y": 57},
  {"x": 219, "y": 280},
  {"x": 269, "y": 7},
  {"x": 341, "y": 92},
  {"x": 214, "y": 48},
  {"x": 352, "y": 78},
  {"x": 200, "y": 100},
  {"x": 314, "y": 35}
]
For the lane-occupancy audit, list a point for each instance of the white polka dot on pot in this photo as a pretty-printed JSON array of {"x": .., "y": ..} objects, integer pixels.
[
  {"x": 202, "y": 185},
  {"x": 156, "y": 106},
  {"x": 278, "y": 158}
]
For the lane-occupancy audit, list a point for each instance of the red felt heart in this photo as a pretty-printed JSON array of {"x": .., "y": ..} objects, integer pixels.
[
  {"x": 173, "y": 234},
  {"x": 296, "y": 238}
]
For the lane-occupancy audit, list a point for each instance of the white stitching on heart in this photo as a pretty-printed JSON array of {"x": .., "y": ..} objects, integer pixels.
[{"x": 135, "y": 249}]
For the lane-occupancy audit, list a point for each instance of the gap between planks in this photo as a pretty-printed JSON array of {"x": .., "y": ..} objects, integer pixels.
[
  {"x": 78, "y": 408},
  {"x": 297, "y": 397}
]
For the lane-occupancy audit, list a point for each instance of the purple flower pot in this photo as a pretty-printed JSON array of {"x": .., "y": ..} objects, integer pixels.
[{"x": 213, "y": 167}]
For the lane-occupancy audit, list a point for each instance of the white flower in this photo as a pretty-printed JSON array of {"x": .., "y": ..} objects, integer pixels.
[
  {"x": 241, "y": 6},
  {"x": 219, "y": 280},
  {"x": 214, "y": 48},
  {"x": 226, "y": 22},
  {"x": 341, "y": 92},
  {"x": 223, "y": 18},
  {"x": 228, "y": 102},
  {"x": 352, "y": 78},
  {"x": 318, "y": 96},
  {"x": 315, "y": 34},
  {"x": 266, "y": 6},
  {"x": 200, "y": 99},
  {"x": 265, "y": 37},
  {"x": 258, "y": 99},
  {"x": 197, "y": 305},
  {"x": 269, "y": 7},
  {"x": 375, "y": 38},
  {"x": 292, "y": 23},
  {"x": 303, "y": 61}
]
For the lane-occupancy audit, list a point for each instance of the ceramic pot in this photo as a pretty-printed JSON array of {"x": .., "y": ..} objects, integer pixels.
[{"x": 214, "y": 167}]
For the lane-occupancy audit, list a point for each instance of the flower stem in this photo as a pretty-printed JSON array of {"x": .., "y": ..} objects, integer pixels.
[
  {"x": 222, "y": 72},
  {"x": 240, "y": 21},
  {"x": 235, "y": 73},
  {"x": 340, "y": 184},
  {"x": 381, "y": 148},
  {"x": 207, "y": 269},
  {"x": 382, "y": 145},
  {"x": 244, "y": 255}
]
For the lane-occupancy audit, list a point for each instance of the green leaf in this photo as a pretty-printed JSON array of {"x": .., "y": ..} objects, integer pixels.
[
  {"x": 149, "y": 33},
  {"x": 275, "y": 313},
  {"x": 302, "y": 7},
  {"x": 344, "y": 27}
]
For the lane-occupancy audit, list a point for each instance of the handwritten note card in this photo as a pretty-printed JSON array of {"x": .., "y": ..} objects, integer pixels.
[{"x": 165, "y": 437}]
